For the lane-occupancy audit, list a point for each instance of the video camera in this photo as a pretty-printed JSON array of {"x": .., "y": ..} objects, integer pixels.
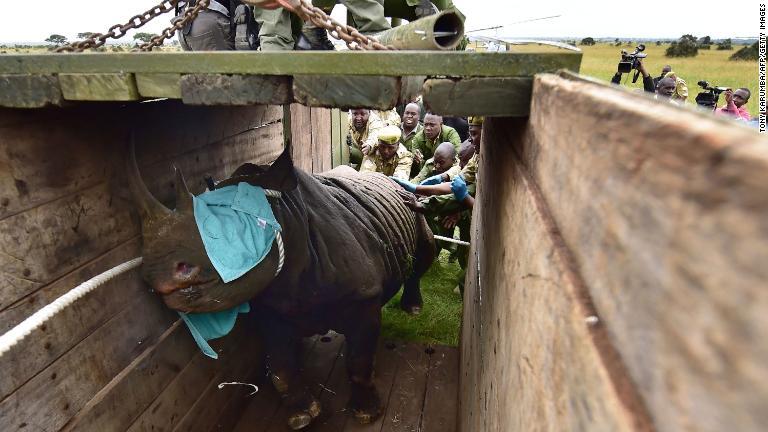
[
  {"x": 708, "y": 98},
  {"x": 631, "y": 61}
]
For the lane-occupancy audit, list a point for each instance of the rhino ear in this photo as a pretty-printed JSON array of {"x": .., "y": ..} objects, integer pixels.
[{"x": 280, "y": 176}]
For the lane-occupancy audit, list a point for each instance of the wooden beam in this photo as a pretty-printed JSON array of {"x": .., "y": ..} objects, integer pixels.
[
  {"x": 394, "y": 63},
  {"x": 218, "y": 89},
  {"x": 346, "y": 91},
  {"x": 159, "y": 85},
  {"x": 509, "y": 97},
  {"x": 29, "y": 91},
  {"x": 98, "y": 86}
]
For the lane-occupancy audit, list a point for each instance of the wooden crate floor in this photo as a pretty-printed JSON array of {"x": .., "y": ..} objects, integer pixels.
[{"x": 418, "y": 385}]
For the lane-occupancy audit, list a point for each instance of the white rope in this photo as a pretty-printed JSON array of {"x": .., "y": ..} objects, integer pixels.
[
  {"x": 451, "y": 240},
  {"x": 24, "y": 328},
  {"x": 281, "y": 251}
]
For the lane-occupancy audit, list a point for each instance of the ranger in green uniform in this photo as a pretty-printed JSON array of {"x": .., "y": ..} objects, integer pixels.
[
  {"x": 389, "y": 157},
  {"x": 425, "y": 142},
  {"x": 364, "y": 125}
]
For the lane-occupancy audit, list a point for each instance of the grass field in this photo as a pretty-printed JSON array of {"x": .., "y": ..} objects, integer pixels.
[
  {"x": 713, "y": 66},
  {"x": 441, "y": 315}
]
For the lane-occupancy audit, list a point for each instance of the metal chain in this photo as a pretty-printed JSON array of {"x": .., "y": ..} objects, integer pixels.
[
  {"x": 189, "y": 15},
  {"x": 353, "y": 38},
  {"x": 119, "y": 30}
]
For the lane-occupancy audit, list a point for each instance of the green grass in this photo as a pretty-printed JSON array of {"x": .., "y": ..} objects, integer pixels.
[
  {"x": 713, "y": 66},
  {"x": 440, "y": 318}
]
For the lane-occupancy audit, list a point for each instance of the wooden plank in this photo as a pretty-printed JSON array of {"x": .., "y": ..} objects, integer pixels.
[
  {"x": 215, "y": 89},
  {"x": 163, "y": 381},
  {"x": 41, "y": 164},
  {"x": 321, "y": 139},
  {"x": 175, "y": 400},
  {"x": 442, "y": 397},
  {"x": 336, "y": 138},
  {"x": 406, "y": 400},
  {"x": 29, "y": 91},
  {"x": 47, "y": 242},
  {"x": 301, "y": 136},
  {"x": 396, "y": 63},
  {"x": 51, "y": 398},
  {"x": 98, "y": 86},
  {"x": 347, "y": 91},
  {"x": 116, "y": 405},
  {"x": 47, "y": 343},
  {"x": 532, "y": 315},
  {"x": 656, "y": 244},
  {"x": 479, "y": 96},
  {"x": 159, "y": 85}
]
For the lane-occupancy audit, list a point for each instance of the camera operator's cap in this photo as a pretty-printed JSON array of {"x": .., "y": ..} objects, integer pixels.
[
  {"x": 475, "y": 120},
  {"x": 390, "y": 135}
]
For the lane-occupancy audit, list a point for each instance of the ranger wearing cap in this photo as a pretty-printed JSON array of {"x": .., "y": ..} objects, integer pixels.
[{"x": 389, "y": 157}]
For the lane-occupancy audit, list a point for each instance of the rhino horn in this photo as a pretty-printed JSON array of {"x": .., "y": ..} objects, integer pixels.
[
  {"x": 149, "y": 207},
  {"x": 184, "y": 202}
]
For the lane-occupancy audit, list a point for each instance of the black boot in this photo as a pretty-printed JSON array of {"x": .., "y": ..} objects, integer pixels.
[{"x": 317, "y": 38}]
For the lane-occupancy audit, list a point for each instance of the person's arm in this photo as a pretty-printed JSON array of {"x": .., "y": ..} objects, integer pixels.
[
  {"x": 423, "y": 174},
  {"x": 374, "y": 126},
  {"x": 647, "y": 79}
]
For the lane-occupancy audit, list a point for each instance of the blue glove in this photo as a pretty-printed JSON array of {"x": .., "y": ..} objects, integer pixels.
[
  {"x": 437, "y": 179},
  {"x": 410, "y": 187},
  {"x": 459, "y": 188}
]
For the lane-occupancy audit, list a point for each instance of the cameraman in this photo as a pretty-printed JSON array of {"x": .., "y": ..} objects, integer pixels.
[
  {"x": 647, "y": 79},
  {"x": 734, "y": 104}
]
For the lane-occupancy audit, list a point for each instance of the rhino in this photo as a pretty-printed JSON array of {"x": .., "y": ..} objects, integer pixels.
[{"x": 350, "y": 243}]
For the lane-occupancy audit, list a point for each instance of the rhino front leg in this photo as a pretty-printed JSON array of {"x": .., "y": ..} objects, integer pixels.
[
  {"x": 283, "y": 349},
  {"x": 364, "y": 402}
]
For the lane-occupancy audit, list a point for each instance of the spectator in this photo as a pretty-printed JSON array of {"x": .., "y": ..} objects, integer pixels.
[
  {"x": 361, "y": 137},
  {"x": 434, "y": 133},
  {"x": 389, "y": 157},
  {"x": 411, "y": 124},
  {"x": 664, "y": 71},
  {"x": 680, "y": 94},
  {"x": 466, "y": 152},
  {"x": 439, "y": 168},
  {"x": 734, "y": 104}
]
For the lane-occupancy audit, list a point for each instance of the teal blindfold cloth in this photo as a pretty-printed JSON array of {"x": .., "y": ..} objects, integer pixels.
[
  {"x": 212, "y": 325},
  {"x": 237, "y": 227}
]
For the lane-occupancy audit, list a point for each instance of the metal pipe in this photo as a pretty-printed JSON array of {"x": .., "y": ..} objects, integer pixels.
[{"x": 442, "y": 31}]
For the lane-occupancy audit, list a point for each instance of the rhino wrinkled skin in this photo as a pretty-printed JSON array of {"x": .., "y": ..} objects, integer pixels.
[{"x": 350, "y": 243}]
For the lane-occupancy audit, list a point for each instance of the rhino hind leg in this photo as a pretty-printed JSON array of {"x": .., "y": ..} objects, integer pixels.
[
  {"x": 411, "y": 301},
  {"x": 362, "y": 329}
]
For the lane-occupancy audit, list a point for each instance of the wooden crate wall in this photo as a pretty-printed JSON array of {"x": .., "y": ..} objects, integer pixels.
[
  {"x": 116, "y": 359},
  {"x": 618, "y": 276}
]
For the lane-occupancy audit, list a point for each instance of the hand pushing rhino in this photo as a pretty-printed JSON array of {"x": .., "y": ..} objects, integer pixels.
[{"x": 349, "y": 244}]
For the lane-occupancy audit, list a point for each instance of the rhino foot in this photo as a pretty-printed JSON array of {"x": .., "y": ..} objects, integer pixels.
[
  {"x": 364, "y": 404},
  {"x": 301, "y": 419},
  {"x": 411, "y": 309}
]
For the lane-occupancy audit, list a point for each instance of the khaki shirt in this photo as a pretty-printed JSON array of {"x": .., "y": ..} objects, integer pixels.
[
  {"x": 427, "y": 146},
  {"x": 399, "y": 166},
  {"x": 429, "y": 171},
  {"x": 407, "y": 140}
]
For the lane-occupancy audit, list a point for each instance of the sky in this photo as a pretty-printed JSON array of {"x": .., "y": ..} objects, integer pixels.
[{"x": 597, "y": 18}]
